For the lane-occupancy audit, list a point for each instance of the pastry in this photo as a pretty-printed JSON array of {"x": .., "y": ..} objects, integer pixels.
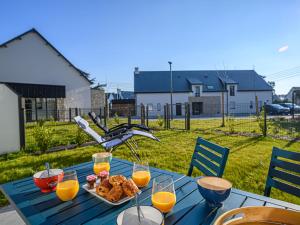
[
  {"x": 116, "y": 180},
  {"x": 102, "y": 191},
  {"x": 115, "y": 193},
  {"x": 130, "y": 188},
  {"x": 91, "y": 179}
]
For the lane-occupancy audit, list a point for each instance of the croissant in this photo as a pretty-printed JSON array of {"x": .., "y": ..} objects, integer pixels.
[
  {"x": 115, "y": 193},
  {"x": 116, "y": 180},
  {"x": 130, "y": 188}
]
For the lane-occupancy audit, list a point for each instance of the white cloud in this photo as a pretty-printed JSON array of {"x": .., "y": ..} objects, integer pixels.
[{"x": 283, "y": 48}]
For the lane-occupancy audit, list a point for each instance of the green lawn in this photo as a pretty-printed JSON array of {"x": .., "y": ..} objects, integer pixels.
[
  {"x": 246, "y": 168},
  {"x": 64, "y": 133}
]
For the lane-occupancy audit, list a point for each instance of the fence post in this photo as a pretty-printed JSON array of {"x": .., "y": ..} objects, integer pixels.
[
  {"x": 256, "y": 105},
  {"x": 147, "y": 115},
  {"x": 188, "y": 121},
  {"x": 265, "y": 120},
  {"x": 58, "y": 117},
  {"x": 129, "y": 118},
  {"x": 100, "y": 114},
  {"x": 168, "y": 117},
  {"x": 21, "y": 125},
  {"x": 70, "y": 114},
  {"x": 185, "y": 116},
  {"x": 105, "y": 115},
  {"x": 142, "y": 115},
  {"x": 165, "y": 116},
  {"x": 223, "y": 110},
  {"x": 76, "y": 111}
]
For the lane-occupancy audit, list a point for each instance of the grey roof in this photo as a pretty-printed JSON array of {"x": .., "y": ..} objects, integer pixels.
[
  {"x": 127, "y": 94},
  {"x": 212, "y": 80},
  {"x": 124, "y": 95}
]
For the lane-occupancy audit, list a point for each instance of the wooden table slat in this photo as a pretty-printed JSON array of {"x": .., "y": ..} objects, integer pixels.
[{"x": 38, "y": 208}]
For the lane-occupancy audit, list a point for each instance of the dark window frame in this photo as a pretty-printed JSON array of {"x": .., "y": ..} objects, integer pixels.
[{"x": 232, "y": 90}]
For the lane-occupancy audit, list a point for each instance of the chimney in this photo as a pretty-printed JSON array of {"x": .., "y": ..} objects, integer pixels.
[{"x": 136, "y": 70}]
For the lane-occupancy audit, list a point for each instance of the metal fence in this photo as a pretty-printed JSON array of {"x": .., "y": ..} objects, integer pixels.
[{"x": 244, "y": 120}]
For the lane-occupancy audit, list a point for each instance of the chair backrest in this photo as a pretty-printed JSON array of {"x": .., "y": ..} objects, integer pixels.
[
  {"x": 284, "y": 172},
  {"x": 209, "y": 158},
  {"x": 97, "y": 121}
]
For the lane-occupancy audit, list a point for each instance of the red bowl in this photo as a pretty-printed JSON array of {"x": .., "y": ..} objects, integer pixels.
[{"x": 48, "y": 184}]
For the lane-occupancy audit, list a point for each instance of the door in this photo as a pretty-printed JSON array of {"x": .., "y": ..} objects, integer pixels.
[
  {"x": 178, "y": 109},
  {"x": 197, "y": 108}
]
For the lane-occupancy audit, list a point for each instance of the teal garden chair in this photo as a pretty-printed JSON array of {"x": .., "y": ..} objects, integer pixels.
[
  {"x": 209, "y": 158},
  {"x": 284, "y": 172}
]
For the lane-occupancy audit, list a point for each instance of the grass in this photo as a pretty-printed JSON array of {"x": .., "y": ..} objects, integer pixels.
[
  {"x": 246, "y": 168},
  {"x": 64, "y": 133}
]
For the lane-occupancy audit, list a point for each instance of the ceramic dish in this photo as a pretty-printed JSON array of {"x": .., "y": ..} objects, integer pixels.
[{"x": 93, "y": 192}]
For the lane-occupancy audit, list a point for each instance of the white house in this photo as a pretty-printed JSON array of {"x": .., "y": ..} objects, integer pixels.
[
  {"x": 240, "y": 91},
  {"x": 44, "y": 78},
  {"x": 293, "y": 95}
]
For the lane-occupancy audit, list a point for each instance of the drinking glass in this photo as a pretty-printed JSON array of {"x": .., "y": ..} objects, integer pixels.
[
  {"x": 141, "y": 174},
  {"x": 163, "y": 193},
  {"x": 68, "y": 187},
  {"x": 101, "y": 162}
]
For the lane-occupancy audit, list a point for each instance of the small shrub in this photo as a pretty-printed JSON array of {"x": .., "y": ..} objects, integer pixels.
[
  {"x": 291, "y": 131},
  {"x": 80, "y": 137},
  {"x": 41, "y": 122},
  {"x": 230, "y": 123},
  {"x": 276, "y": 129},
  {"x": 160, "y": 120},
  {"x": 116, "y": 118},
  {"x": 260, "y": 120},
  {"x": 43, "y": 137}
]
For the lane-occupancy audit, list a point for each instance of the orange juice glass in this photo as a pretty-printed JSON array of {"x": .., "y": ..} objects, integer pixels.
[
  {"x": 163, "y": 193},
  {"x": 101, "y": 162},
  {"x": 68, "y": 187},
  {"x": 141, "y": 174}
]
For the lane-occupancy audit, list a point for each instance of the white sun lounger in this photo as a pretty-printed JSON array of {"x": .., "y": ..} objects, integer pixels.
[{"x": 111, "y": 143}]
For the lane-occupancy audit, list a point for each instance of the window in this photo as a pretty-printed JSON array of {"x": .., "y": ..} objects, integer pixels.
[
  {"x": 251, "y": 104},
  {"x": 158, "y": 106},
  {"x": 150, "y": 107},
  {"x": 232, "y": 90},
  {"x": 39, "y": 103},
  {"x": 197, "y": 91},
  {"x": 232, "y": 105}
]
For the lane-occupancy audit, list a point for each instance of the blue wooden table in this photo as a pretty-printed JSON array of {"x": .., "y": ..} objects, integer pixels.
[{"x": 38, "y": 208}]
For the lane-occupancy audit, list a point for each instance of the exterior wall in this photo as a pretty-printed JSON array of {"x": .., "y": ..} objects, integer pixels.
[
  {"x": 159, "y": 98},
  {"x": 97, "y": 98},
  {"x": 30, "y": 60},
  {"x": 244, "y": 101},
  {"x": 9, "y": 120}
]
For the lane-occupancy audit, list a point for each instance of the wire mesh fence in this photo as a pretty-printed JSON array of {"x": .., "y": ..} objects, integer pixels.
[{"x": 60, "y": 129}]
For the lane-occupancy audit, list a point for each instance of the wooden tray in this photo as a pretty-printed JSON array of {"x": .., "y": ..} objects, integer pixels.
[
  {"x": 93, "y": 192},
  {"x": 260, "y": 215}
]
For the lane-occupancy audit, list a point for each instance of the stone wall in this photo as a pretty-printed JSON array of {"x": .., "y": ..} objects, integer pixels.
[{"x": 97, "y": 98}]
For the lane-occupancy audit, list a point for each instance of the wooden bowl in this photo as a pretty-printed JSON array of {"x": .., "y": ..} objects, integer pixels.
[
  {"x": 259, "y": 215},
  {"x": 214, "y": 190}
]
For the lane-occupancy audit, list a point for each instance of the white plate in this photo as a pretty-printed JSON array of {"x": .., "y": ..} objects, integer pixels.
[{"x": 93, "y": 192}]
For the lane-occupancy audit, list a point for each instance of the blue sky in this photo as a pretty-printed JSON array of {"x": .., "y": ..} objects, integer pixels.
[{"x": 109, "y": 38}]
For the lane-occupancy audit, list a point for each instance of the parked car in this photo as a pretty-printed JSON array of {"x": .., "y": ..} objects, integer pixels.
[
  {"x": 276, "y": 109},
  {"x": 290, "y": 106}
]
